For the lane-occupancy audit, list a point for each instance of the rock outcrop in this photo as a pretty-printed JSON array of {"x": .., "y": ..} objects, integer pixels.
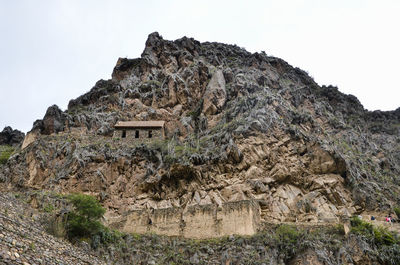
[
  {"x": 11, "y": 137},
  {"x": 214, "y": 97},
  {"x": 53, "y": 121}
]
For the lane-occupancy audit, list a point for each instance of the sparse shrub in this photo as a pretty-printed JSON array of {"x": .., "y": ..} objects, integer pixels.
[
  {"x": 84, "y": 220},
  {"x": 287, "y": 241},
  {"x": 105, "y": 236},
  {"x": 32, "y": 246},
  {"x": 361, "y": 227},
  {"x": 169, "y": 160},
  {"x": 5, "y": 153},
  {"x": 339, "y": 229},
  {"x": 383, "y": 236},
  {"x": 48, "y": 208},
  {"x": 287, "y": 233},
  {"x": 397, "y": 211},
  {"x": 389, "y": 254},
  {"x": 378, "y": 235}
]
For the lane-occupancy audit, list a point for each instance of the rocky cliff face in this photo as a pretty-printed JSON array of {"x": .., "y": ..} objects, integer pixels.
[{"x": 239, "y": 126}]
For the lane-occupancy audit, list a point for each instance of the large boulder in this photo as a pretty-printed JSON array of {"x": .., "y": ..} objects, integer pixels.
[
  {"x": 154, "y": 46},
  {"x": 53, "y": 121}
]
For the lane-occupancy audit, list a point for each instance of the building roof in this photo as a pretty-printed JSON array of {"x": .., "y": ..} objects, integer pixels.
[{"x": 139, "y": 124}]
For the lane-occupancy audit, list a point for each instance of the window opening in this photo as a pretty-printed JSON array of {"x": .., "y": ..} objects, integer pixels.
[
  {"x": 137, "y": 134},
  {"x": 123, "y": 134},
  {"x": 150, "y": 134}
]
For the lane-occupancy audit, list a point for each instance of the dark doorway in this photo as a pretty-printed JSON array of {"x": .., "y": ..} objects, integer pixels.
[
  {"x": 123, "y": 134},
  {"x": 137, "y": 134},
  {"x": 150, "y": 134}
]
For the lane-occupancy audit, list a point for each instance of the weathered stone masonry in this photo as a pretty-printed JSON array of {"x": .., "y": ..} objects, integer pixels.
[
  {"x": 139, "y": 130},
  {"x": 198, "y": 221}
]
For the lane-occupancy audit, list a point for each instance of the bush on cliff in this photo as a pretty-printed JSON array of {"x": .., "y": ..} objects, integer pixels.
[
  {"x": 84, "y": 220},
  {"x": 5, "y": 153},
  {"x": 397, "y": 211},
  {"x": 288, "y": 240},
  {"x": 376, "y": 234}
]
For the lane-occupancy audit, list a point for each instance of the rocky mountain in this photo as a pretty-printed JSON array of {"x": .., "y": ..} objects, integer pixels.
[{"x": 245, "y": 133}]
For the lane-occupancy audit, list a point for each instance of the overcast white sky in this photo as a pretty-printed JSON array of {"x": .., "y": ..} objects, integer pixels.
[{"x": 53, "y": 51}]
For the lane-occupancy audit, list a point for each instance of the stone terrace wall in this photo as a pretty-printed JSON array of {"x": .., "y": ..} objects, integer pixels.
[{"x": 241, "y": 218}]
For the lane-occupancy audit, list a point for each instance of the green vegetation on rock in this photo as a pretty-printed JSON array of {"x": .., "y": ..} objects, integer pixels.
[
  {"x": 83, "y": 222},
  {"x": 385, "y": 242},
  {"x": 5, "y": 153},
  {"x": 376, "y": 234},
  {"x": 84, "y": 219},
  {"x": 397, "y": 211}
]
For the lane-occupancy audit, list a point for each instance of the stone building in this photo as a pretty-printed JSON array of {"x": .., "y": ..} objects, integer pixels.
[{"x": 139, "y": 130}]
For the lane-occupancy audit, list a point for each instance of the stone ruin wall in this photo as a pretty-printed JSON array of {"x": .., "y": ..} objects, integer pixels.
[
  {"x": 206, "y": 221},
  {"x": 157, "y": 133}
]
